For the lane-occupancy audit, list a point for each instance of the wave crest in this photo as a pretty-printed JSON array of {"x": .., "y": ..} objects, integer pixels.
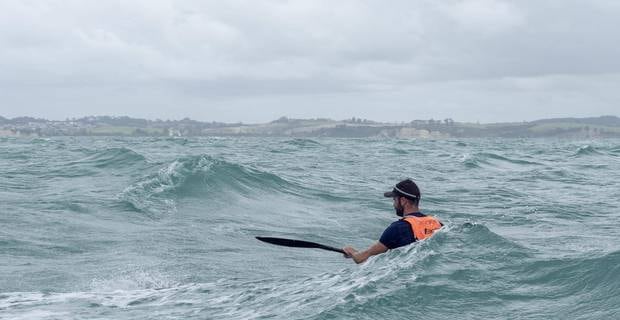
[
  {"x": 586, "y": 150},
  {"x": 492, "y": 160},
  {"x": 197, "y": 176},
  {"x": 303, "y": 143},
  {"x": 112, "y": 157}
]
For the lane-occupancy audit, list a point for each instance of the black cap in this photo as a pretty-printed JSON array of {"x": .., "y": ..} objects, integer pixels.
[{"x": 406, "y": 188}]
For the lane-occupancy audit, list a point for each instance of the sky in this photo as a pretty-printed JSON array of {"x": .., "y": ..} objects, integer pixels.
[{"x": 255, "y": 61}]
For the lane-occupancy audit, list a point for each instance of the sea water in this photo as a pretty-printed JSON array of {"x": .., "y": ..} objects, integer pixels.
[{"x": 158, "y": 228}]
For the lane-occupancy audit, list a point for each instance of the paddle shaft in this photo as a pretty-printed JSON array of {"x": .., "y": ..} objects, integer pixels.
[{"x": 298, "y": 244}]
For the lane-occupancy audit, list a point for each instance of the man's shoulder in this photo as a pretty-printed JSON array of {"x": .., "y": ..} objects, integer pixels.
[
  {"x": 398, "y": 224},
  {"x": 397, "y": 234}
]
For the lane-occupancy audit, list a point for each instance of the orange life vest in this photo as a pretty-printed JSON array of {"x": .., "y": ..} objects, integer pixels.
[{"x": 423, "y": 227}]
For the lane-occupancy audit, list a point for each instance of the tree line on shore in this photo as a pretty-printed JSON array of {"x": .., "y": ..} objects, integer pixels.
[{"x": 604, "y": 126}]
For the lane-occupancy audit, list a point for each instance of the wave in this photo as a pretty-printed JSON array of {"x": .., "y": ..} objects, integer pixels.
[
  {"x": 112, "y": 158},
  {"x": 587, "y": 286},
  {"x": 40, "y": 141},
  {"x": 465, "y": 271},
  {"x": 130, "y": 288},
  {"x": 556, "y": 175},
  {"x": 198, "y": 176},
  {"x": 178, "y": 140},
  {"x": 577, "y": 275},
  {"x": 303, "y": 143},
  {"x": 592, "y": 166},
  {"x": 399, "y": 151},
  {"x": 586, "y": 151},
  {"x": 491, "y": 160},
  {"x": 615, "y": 150},
  {"x": 385, "y": 285},
  {"x": 16, "y": 155}
]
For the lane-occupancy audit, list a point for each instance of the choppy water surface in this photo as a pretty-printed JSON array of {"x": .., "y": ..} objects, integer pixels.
[{"x": 118, "y": 228}]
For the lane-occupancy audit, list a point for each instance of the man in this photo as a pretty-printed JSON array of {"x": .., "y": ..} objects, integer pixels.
[{"x": 414, "y": 225}]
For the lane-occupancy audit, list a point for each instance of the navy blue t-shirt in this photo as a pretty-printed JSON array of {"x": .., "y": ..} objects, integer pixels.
[{"x": 399, "y": 233}]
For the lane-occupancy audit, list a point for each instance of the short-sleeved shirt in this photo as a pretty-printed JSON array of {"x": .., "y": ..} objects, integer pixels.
[{"x": 399, "y": 233}]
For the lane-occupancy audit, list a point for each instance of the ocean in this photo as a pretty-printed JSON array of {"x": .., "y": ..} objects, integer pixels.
[{"x": 164, "y": 228}]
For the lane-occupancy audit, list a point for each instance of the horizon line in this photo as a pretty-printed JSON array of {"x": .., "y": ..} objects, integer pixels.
[{"x": 290, "y": 118}]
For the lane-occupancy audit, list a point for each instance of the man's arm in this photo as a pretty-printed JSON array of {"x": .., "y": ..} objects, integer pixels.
[{"x": 360, "y": 257}]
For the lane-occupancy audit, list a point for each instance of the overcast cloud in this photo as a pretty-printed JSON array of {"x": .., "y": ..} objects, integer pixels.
[{"x": 254, "y": 61}]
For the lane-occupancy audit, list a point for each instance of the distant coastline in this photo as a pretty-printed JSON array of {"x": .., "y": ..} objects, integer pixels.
[{"x": 593, "y": 127}]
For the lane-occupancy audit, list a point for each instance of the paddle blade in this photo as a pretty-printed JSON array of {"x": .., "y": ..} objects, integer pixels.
[{"x": 297, "y": 243}]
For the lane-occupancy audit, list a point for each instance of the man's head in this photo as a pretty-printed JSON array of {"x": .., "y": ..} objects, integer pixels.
[{"x": 406, "y": 195}]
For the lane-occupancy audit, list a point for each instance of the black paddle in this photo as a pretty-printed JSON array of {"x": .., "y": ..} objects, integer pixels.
[{"x": 297, "y": 243}]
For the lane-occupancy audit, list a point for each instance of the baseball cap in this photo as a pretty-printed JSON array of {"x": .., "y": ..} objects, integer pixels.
[{"x": 406, "y": 188}]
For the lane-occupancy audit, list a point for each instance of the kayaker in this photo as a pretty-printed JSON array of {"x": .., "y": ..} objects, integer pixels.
[{"x": 413, "y": 226}]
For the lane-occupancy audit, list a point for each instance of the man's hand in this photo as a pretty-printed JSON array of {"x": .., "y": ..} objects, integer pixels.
[
  {"x": 360, "y": 257},
  {"x": 349, "y": 251}
]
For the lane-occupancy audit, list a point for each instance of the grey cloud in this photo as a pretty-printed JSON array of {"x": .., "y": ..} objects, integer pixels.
[{"x": 192, "y": 52}]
